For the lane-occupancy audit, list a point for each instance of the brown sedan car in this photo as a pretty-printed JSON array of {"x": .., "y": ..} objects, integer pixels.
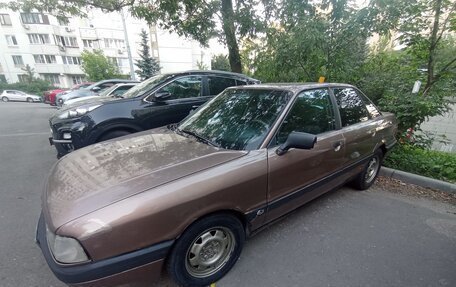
[{"x": 186, "y": 196}]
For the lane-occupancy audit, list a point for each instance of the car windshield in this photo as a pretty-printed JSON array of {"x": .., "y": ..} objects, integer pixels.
[
  {"x": 145, "y": 86},
  {"x": 237, "y": 119}
]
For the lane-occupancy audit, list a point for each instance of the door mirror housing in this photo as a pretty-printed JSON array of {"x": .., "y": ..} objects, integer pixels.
[
  {"x": 96, "y": 89},
  {"x": 297, "y": 140},
  {"x": 161, "y": 96}
]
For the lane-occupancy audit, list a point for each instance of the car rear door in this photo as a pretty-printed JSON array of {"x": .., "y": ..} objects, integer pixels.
[
  {"x": 358, "y": 127},
  {"x": 185, "y": 95},
  {"x": 301, "y": 175}
]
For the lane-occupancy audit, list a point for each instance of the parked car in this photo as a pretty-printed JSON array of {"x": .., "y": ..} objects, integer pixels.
[
  {"x": 49, "y": 96},
  {"x": 186, "y": 196},
  {"x": 158, "y": 101},
  {"x": 81, "y": 86},
  {"x": 90, "y": 90},
  {"x": 14, "y": 95},
  {"x": 115, "y": 91}
]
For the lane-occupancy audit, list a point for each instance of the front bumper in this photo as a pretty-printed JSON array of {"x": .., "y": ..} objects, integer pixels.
[{"x": 139, "y": 267}]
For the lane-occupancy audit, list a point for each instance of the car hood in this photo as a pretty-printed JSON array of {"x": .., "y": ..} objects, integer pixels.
[{"x": 96, "y": 176}]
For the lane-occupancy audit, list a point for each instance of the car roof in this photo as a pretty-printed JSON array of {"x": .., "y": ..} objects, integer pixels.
[
  {"x": 115, "y": 81},
  {"x": 293, "y": 87},
  {"x": 212, "y": 72}
]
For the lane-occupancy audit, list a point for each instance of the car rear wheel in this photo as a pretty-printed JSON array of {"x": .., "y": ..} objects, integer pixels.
[
  {"x": 113, "y": 134},
  {"x": 367, "y": 177},
  {"x": 30, "y": 100},
  {"x": 5, "y": 99},
  {"x": 206, "y": 251}
]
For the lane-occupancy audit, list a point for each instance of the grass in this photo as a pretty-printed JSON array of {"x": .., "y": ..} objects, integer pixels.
[{"x": 430, "y": 163}]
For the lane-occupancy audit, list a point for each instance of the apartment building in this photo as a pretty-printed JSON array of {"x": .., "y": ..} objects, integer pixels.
[{"x": 53, "y": 46}]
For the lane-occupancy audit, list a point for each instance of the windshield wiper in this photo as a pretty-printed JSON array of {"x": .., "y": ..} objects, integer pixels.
[{"x": 198, "y": 137}]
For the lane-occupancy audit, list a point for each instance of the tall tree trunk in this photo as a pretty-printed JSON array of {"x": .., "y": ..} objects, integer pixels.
[
  {"x": 433, "y": 46},
  {"x": 230, "y": 36}
]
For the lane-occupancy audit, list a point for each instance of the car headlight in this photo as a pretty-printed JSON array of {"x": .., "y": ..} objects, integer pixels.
[
  {"x": 77, "y": 112},
  {"x": 65, "y": 249}
]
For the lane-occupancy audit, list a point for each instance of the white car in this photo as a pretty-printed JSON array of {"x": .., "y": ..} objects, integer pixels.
[
  {"x": 14, "y": 95},
  {"x": 114, "y": 91}
]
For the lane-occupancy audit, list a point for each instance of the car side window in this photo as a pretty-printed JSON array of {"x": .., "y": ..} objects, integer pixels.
[
  {"x": 218, "y": 84},
  {"x": 185, "y": 87},
  {"x": 371, "y": 108},
  {"x": 240, "y": 83},
  {"x": 311, "y": 113},
  {"x": 351, "y": 107},
  {"x": 105, "y": 85}
]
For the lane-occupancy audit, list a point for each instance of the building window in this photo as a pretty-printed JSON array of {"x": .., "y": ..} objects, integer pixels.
[
  {"x": 66, "y": 41},
  {"x": 53, "y": 78},
  {"x": 3, "y": 79},
  {"x": 5, "y": 20},
  {"x": 67, "y": 60},
  {"x": 39, "y": 38},
  {"x": 34, "y": 18},
  {"x": 11, "y": 40},
  {"x": 114, "y": 43},
  {"x": 90, "y": 44},
  {"x": 45, "y": 59},
  {"x": 22, "y": 78},
  {"x": 78, "y": 80},
  {"x": 18, "y": 62}
]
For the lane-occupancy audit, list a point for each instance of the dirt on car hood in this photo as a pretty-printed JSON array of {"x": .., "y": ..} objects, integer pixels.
[{"x": 98, "y": 175}]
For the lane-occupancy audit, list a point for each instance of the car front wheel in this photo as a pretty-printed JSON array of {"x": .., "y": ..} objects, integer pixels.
[
  {"x": 5, "y": 99},
  {"x": 367, "y": 177},
  {"x": 30, "y": 100},
  {"x": 206, "y": 251}
]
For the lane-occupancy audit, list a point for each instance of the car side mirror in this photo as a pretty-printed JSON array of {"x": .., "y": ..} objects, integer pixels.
[
  {"x": 161, "y": 96},
  {"x": 96, "y": 89},
  {"x": 297, "y": 140}
]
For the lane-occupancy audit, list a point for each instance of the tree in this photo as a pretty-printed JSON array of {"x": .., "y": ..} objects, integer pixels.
[
  {"x": 197, "y": 19},
  {"x": 424, "y": 28},
  {"x": 312, "y": 40},
  {"x": 97, "y": 66},
  {"x": 220, "y": 62},
  {"x": 148, "y": 66},
  {"x": 29, "y": 73}
]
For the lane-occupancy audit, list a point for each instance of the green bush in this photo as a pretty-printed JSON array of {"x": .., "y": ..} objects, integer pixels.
[
  {"x": 430, "y": 163},
  {"x": 36, "y": 87}
]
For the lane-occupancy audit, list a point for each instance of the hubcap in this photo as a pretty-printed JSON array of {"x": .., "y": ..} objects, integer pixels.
[
  {"x": 372, "y": 169},
  {"x": 209, "y": 252}
]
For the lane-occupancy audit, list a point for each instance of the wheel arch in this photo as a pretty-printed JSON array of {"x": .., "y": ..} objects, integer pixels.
[
  {"x": 116, "y": 127},
  {"x": 231, "y": 212}
]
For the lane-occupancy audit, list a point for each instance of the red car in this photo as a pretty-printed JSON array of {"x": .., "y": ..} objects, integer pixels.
[{"x": 49, "y": 96}]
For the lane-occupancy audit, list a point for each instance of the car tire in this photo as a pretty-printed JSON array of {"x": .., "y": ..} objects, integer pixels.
[
  {"x": 367, "y": 177},
  {"x": 206, "y": 251},
  {"x": 30, "y": 100},
  {"x": 5, "y": 99},
  {"x": 113, "y": 134}
]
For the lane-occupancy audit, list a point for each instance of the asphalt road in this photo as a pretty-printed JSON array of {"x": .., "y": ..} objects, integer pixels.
[{"x": 344, "y": 238}]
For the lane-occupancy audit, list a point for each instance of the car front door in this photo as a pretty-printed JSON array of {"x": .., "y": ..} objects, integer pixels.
[
  {"x": 301, "y": 175},
  {"x": 14, "y": 96},
  {"x": 184, "y": 94}
]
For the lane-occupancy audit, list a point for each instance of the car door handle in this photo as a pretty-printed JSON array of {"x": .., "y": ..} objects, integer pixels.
[
  {"x": 195, "y": 106},
  {"x": 337, "y": 145}
]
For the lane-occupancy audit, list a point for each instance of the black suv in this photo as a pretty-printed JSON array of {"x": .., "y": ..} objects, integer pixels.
[{"x": 158, "y": 101}]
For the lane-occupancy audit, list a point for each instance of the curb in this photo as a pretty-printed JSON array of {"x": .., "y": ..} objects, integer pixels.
[{"x": 418, "y": 180}]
